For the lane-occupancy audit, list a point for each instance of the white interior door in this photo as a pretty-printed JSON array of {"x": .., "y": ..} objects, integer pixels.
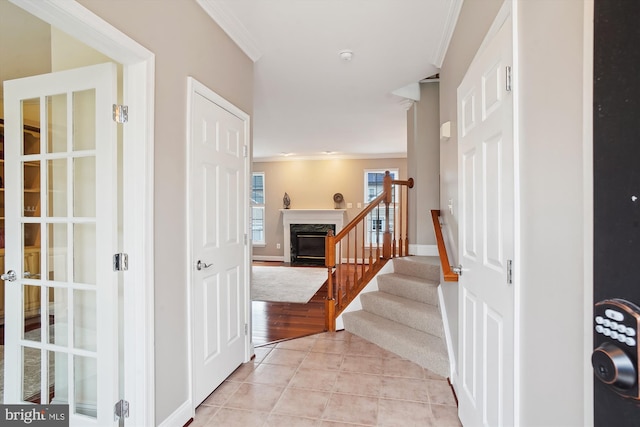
[
  {"x": 486, "y": 191},
  {"x": 60, "y": 208},
  {"x": 219, "y": 203}
]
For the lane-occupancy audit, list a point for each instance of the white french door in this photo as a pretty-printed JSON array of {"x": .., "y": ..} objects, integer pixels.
[
  {"x": 219, "y": 218},
  {"x": 486, "y": 236},
  {"x": 60, "y": 207}
]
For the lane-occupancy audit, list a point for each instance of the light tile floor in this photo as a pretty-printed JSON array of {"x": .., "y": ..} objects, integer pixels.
[{"x": 329, "y": 379}]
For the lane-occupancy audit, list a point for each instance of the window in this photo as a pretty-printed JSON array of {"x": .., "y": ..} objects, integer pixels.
[
  {"x": 257, "y": 209},
  {"x": 376, "y": 222}
]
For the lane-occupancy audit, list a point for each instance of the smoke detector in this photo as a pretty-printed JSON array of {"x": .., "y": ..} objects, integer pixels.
[{"x": 346, "y": 55}]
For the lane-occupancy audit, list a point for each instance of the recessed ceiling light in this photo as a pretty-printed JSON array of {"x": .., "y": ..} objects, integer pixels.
[
  {"x": 346, "y": 55},
  {"x": 286, "y": 154},
  {"x": 328, "y": 153}
]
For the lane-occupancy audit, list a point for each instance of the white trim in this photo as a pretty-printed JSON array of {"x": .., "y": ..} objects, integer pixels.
[
  {"x": 278, "y": 258},
  {"x": 423, "y": 250},
  {"x": 138, "y": 239},
  {"x": 179, "y": 417},
  {"x": 189, "y": 256},
  {"x": 255, "y": 205},
  {"x": 232, "y": 26},
  {"x": 345, "y": 156},
  {"x": 587, "y": 162},
  {"x": 453, "y": 372},
  {"x": 195, "y": 87},
  {"x": 139, "y": 76},
  {"x": 447, "y": 33},
  {"x": 81, "y": 23},
  {"x": 510, "y": 8}
]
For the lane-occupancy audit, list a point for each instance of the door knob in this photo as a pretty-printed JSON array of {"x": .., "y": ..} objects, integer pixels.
[
  {"x": 202, "y": 265},
  {"x": 613, "y": 366},
  {"x": 9, "y": 276}
]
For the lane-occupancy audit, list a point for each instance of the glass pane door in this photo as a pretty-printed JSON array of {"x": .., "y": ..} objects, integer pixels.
[{"x": 61, "y": 343}]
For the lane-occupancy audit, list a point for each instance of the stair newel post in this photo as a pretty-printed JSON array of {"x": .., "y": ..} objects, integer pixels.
[
  {"x": 399, "y": 212},
  {"x": 330, "y": 262},
  {"x": 386, "y": 243},
  {"x": 406, "y": 233}
]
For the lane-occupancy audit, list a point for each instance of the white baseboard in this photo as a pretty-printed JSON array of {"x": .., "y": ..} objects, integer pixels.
[
  {"x": 423, "y": 250},
  {"x": 268, "y": 258},
  {"x": 447, "y": 337},
  {"x": 180, "y": 416}
]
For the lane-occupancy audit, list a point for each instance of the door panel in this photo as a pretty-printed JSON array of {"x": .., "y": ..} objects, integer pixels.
[
  {"x": 486, "y": 164},
  {"x": 492, "y": 166},
  {"x": 62, "y": 310},
  {"x": 219, "y": 212},
  {"x": 468, "y": 196}
]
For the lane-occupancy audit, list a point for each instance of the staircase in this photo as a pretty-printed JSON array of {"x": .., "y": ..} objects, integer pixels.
[{"x": 403, "y": 315}]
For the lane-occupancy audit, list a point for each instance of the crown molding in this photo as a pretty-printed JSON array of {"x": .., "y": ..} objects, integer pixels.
[
  {"x": 447, "y": 33},
  {"x": 222, "y": 16},
  {"x": 320, "y": 157}
]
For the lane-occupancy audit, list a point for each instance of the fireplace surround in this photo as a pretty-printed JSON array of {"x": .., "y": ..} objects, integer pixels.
[{"x": 320, "y": 219}]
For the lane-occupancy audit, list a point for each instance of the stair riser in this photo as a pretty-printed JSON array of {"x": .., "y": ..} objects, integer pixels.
[
  {"x": 422, "y": 270},
  {"x": 395, "y": 285},
  {"x": 427, "y": 320}
]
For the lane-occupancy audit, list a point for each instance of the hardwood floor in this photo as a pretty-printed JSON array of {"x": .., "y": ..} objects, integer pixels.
[{"x": 278, "y": 321}]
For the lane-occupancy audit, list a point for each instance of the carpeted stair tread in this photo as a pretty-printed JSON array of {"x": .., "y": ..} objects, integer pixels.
[
  {"x": 415, "y": 314},
  {"x": 420, "y": 347},
  {"x": 409, "y": 287},
  {"x": 424, "y": 267}
]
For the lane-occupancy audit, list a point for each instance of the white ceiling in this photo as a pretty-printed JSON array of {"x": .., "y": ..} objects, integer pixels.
[{"x": 308, "y": 101}]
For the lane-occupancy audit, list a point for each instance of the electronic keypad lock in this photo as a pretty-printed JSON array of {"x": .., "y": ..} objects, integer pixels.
[{"x": 615, "y": 359}]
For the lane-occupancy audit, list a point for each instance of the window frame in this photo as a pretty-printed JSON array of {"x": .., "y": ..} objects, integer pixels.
[
  {"x": 258, "y": 206},
  {"x": 369, "y": 196}
]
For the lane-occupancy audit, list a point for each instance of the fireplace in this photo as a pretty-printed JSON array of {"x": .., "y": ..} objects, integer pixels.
[
  {"x": 308, "y": 242},
  {"x": 327, "y": 219}
]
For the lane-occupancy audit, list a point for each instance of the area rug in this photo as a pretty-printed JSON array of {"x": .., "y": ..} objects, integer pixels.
[
  {"x": 31, "y": 367},
  {"x": 286, "y": 284}
]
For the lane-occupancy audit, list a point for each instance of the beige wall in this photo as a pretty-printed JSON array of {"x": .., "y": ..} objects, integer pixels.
[
  {"x": 25, "y": 44},
  {"x": 550, "y": 265},
  {"x": 311, "y": 184},
  {"x": 186, "y": 42},
  {"x": 423, "y": 154}
]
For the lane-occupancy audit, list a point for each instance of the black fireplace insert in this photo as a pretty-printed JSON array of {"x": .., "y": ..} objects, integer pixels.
[{"x": 308, "y": 243}]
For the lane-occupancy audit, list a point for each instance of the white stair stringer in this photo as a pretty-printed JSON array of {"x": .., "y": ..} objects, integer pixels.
[{"x": 403, "y": 315}]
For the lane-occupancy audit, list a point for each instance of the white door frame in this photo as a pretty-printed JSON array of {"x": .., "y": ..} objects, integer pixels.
[
  {"x": 138, "y": 74},
  {"x": 195, "y": 87}
]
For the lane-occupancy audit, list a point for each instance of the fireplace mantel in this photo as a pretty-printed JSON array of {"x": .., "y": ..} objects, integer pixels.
[{"x": 308, "y": 216}]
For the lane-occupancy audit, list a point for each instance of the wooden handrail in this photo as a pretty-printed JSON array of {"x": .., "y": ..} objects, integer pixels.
[
  {"x": 351, "y": 267},
  {"x": 362, "y": 215},
  {"x": 449, "y": 275}
]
